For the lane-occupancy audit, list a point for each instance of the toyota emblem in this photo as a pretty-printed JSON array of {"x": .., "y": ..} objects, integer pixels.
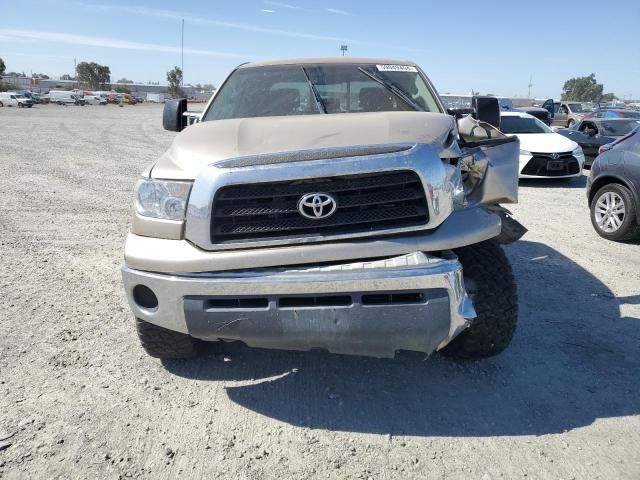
[
  {"x": 317, "y": 206},
  {"x": 555, "y": 156}
]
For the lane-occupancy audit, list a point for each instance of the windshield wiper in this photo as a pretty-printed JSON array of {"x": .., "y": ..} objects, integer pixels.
[
  {"x": 319, "y": 103},
  {"x": 393, "y": 89}
]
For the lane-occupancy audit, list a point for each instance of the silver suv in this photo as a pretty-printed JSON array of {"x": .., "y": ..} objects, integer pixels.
[{"x": 326, "y": 204}]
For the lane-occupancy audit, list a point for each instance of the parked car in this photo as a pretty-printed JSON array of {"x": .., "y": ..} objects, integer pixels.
[
  {"x": 540, "y": 113},
  {"x": 565, "y": 114},
  {"x": 613, "y": 189},
  {"x": 613, "y": 113},
  {"x": 31, "y": 96},
  {"x": 268, "y": 220},
  {"x": 14, "y": 99},
  {"x": 64, "y": 97},
  {"x": 591, "y": 134},
  {"x": 543, "y": 153},
  {"x": 94, "y": 100}
]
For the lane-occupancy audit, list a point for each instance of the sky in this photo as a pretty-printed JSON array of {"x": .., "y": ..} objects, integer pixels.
[{"x": 491, "y": 47}]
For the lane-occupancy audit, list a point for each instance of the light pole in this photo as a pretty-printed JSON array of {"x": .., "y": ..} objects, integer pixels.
[
  {"x": 343, "y": 48},
  {"x": 182, "y": 55}
]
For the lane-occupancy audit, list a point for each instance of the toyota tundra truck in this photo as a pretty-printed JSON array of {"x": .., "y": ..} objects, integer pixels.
[{"x": 328, "y": 204}]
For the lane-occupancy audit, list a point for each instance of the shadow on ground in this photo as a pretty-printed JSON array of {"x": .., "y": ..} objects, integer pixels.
[{"x": 574, "y": 360}]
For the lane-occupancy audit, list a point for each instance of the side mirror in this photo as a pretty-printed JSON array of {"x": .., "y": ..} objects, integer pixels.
[
  {"x": 486, "y": 109},
  {"x": 173, "y": 115}
]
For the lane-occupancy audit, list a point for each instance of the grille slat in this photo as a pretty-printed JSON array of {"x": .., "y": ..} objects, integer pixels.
[{"x": 245, "y": 213}]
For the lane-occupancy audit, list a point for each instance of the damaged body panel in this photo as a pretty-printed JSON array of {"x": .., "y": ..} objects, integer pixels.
[{"x": 326, "y": 204}]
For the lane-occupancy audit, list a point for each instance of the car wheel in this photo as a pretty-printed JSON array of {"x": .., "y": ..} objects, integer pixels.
[
  {"x": 20, "y": 105},
  {"x": 490, "y": 284},
  {"x": 570, "y": 123},
  {"x": 613, "y": 213},
  {"x": 160, "y": 342},
  {"x": 1, "y": 104}
]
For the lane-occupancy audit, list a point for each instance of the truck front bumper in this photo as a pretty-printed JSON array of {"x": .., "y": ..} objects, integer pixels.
[{"x": 411, "y": 302}]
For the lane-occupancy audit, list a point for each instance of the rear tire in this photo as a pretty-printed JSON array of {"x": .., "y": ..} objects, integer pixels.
[
  {"x": 160, "y": 342},
  {"x": 628, "y": 228},
  {"x": 492, "y": 288}
]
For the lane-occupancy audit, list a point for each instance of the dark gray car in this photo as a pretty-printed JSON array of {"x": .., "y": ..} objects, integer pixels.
[{"x": 613, "y": 189}]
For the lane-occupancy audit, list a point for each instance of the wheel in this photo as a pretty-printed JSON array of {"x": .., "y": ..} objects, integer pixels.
[
  {"x": 160, "y": 342},
  {"x": 613, "y": 213},
  {"x": 20, "y": 105},
  {"x": 570, "y": 123},
  {"x": 1, "y": 104},
  {"x": 492, "y": 288}
]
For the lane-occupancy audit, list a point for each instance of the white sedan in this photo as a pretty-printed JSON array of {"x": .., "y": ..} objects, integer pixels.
[{"x": 543, "y": 153}]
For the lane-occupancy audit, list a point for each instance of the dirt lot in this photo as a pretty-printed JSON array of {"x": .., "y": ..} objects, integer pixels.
[{"x": 80, "y": 399}]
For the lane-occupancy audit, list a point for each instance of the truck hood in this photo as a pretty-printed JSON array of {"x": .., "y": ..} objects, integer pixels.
[{"x": 206, "y": 143}]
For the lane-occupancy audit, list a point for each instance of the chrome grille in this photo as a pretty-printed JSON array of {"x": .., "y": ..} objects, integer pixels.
[{"x": 266, "y": 211}]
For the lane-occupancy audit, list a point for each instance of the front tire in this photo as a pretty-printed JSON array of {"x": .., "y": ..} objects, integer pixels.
[
  {"x": 490, "y": 284},
  {"x": 613, "y": 213},
  {"x": 160, "y": 342},
  {"x": 570, "y": 123}
]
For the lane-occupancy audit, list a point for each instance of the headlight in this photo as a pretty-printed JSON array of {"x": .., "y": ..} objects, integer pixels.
[
  {"x": 578, "y": 153},
  {"x": 162, "y": 198},
  {"x": 525, "y": 152}
]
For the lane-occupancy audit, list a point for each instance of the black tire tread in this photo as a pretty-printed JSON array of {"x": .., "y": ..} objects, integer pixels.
[
  {"x": 160, "y": 342},
  {"x": 495, "y": 299}
]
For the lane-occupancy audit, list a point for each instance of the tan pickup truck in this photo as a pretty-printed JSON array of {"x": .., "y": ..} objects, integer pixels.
[{"x": 326, "y": 204}]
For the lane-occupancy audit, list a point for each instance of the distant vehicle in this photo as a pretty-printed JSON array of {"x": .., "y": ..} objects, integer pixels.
[
  {"x": 613, "y": 113},
  {"x": 593, "y": 133},
  {"x": 565, "y": 114},
  {"x": 613, "y": 189},
  {"x": 588, "y": 106},
  {"x": 31, "y": 96},
  {"x": 155, "y": 97},
  {"x": 543, "y": 153},
  {"x": 94, "y": 100},
  {"x": 542, "y": 114},
  {"x": 14, "y": 99},
  {"x": 64, "y": 97}
]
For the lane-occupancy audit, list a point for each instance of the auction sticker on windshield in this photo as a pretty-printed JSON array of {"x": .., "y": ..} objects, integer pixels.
[{"x": 396, "y": 68}]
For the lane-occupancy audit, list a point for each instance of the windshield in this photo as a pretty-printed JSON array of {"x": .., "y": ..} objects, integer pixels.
[
  {"x": 618, "y": 128},
  {"x": 282, "y": 90},
  {"x": 517, "y": 124},
  {"x": 576, "y": 107}
]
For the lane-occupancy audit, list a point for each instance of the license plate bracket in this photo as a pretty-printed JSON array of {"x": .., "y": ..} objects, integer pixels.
[{"x": 555, "y": 165}]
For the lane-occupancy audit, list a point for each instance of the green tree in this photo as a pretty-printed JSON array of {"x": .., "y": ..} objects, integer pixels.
[
  {"x": 40, "y": 75},
  {"x": 174, "y": 77},
  {"x": 3, "y": 67},
  {"x": 122, "y": 89},
  {"x": 608, "y": 97},
  {"x": 582, "y": 89},
  {"x": 124, "y": 80},
  {"x": 93, "y": 74},
  {"x": 66, "y": 76}
]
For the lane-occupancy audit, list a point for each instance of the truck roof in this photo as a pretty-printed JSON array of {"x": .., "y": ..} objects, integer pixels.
[{"x": 325, "y": 60}]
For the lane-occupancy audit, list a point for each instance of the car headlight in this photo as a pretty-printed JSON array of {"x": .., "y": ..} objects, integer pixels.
[
  {"x": 525, "y": 152},
  {"x": 163, "y": 199},
  {"x": 578, "y": 153}
]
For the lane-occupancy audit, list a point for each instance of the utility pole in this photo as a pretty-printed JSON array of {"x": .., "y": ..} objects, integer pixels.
[
  {"x": 530, "y": 85},
  {"x": 182, "y": 54}
]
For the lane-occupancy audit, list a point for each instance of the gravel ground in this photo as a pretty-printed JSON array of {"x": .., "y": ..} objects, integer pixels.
[{"x": 80, "y": 399}]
